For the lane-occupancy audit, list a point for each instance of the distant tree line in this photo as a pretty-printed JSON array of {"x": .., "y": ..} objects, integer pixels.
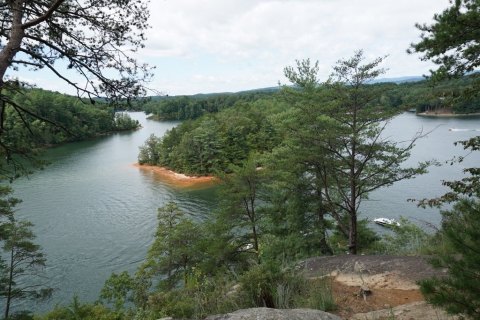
[
  {"x": 192, "y": 107},
  {"x": 62, "y": 118},
  {"x": 420, "y": 96}
]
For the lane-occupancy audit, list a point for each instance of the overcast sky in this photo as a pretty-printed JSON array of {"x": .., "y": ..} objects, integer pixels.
[{"x": 203, "y": 46}]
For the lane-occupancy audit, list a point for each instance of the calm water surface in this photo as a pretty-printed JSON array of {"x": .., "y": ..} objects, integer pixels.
[{"x": 94, "y": 213}]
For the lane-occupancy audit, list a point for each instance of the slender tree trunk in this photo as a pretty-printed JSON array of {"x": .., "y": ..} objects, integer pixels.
[
  {"x": 254, "y": 232},
  {"x": 352, "y": 237},
  {"x": 10, "y": 282},
  {"x": 324, "y": 247}
]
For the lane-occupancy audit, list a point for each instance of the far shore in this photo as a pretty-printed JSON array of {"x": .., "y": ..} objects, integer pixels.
[
  {"x": 447, "y": 114},
  {"x": 178, "y": 179}
]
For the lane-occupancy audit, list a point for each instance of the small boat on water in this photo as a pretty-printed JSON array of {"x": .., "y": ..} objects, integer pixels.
[
  {"x": 461, "y": 130},
  {"x": 386, "y": 222}
]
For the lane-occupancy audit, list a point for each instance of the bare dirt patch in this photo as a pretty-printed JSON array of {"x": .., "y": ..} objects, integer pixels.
[
  {"x": 390, "y": 280},
  {"x": 178, "y": 180},
  {"x": 349, "y": 302}
]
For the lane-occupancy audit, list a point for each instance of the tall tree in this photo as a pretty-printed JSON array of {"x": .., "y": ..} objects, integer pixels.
[
  {"x": 93, "y": 38},
  {"x": 172, "y": 254},
  {"x": 346, "y": 125},
  {"x": 240, "y": 205},
  {"x": 24, "y": 259}
]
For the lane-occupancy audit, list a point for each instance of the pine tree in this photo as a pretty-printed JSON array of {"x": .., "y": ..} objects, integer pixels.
[
  {"x": 24, "y": 260},
  {"x": 343, "y": 125}
]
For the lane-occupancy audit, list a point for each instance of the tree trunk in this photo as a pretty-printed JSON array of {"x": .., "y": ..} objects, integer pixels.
[
  {"x": 10, "y": 282},
  {"x": 15, "y": 40},
  {"x": 352, "y": 236},
  {"x": 254, "y": 228},
  {"x": 324, "y": 247}
]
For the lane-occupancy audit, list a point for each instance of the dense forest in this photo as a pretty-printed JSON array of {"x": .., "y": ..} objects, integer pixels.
[
  {"x": 214, "y": 142},
  {"x": 192, "y": 107},
  {"x": 419, "y": 95},
  {"x": 63, "y": 118}
]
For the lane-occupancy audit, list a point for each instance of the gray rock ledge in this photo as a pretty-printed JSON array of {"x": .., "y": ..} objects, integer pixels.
[{"x": 275, "y": 314}]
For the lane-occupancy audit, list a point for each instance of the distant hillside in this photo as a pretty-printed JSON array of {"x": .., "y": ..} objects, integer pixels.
[
  {"x": 215, "y": 94},
  {"x": 412, "y": 92},
  {"x": 399, "y": 80}
]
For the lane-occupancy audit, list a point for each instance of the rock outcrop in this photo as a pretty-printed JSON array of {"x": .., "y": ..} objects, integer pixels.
[{"x": 275, "y": 314}]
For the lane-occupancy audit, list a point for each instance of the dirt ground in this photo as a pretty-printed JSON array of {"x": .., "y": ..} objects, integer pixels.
[
  {"x": 177, "y": 180},
  {"x": 349, "y": 301},
  {"x": 391, "y": 282}
]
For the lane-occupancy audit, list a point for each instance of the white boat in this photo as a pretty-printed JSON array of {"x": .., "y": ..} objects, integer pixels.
[
  {"x": 456, "y": 129},
  {"x": 386, "y": 222}
]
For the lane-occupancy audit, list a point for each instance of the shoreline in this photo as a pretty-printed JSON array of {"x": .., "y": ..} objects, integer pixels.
[
  {"x": 447, "y": 115},
  {"x": 178, "y": 179}
]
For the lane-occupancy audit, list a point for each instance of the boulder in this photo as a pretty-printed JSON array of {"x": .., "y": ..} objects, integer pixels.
[{"x": 275, "y": 314}]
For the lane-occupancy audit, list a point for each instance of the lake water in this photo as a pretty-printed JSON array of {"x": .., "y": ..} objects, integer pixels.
[{"x": 95, "y": 213}]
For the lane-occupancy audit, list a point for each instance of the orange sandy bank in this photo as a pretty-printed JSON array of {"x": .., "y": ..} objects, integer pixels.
[{"x": 178, "y": 179}]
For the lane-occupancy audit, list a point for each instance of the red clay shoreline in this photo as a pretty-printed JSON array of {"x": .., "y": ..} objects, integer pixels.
[{"x": 178, "y": 179}]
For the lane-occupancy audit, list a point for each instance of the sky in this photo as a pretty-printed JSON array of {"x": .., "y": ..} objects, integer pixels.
[{"x": 205, "y": 46}]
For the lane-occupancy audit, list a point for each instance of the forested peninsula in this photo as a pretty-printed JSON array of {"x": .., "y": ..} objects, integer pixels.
[
  {"x": 62, "y": 118},
  {"x": 221, "y": 130}
]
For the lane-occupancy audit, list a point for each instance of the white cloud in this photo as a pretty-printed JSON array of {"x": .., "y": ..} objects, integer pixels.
[
  {"x": 262, "y": 37},
  {"x": 230, "y": 45}
]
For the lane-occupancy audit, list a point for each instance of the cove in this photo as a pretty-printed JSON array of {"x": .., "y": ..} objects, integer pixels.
[{"x": 95, "y": 213}]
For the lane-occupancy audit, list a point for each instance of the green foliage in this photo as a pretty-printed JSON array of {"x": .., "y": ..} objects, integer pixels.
[
  {"x": 81, "y": 311},
  {"x": 406, "y": 239},
  {"x": 296, "y": 211},
  {"x": 24, "y": 258},
  {"x": 122, "y": 122},
  {"x": 340, "y": 141},
  {"x": 203, "y": 296},
  {"x": 269, "y": 285},
  {"x": 240, "y": 195},
  {"x": 259, "y": 284},
  {"x": 192, "y": 107},
  {"x": 212, "y": 143},
  {"x": 368, "y": 240},
  {"x": 149, "y": 151},
  {"x": 458, "y": 292},
  {"x": 51, "y": 118},
  {"x": 452, "y": 41},
  {"x": 317, "y": 294},
  {"x": 172, "y": 255},
  {"x": 117, "y": 288}
]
